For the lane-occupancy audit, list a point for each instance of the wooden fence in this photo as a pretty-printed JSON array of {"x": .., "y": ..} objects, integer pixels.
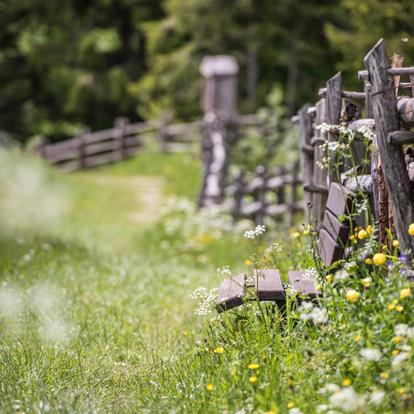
[
  {"x": 389, "y": 114},
  {"x": 271, "y": 193},
  {"x": 110, "y": 145}
]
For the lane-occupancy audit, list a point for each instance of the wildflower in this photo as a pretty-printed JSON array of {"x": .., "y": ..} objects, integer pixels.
[
  {"x": 399, "y": 308},
  {"x": 253, "y": 365},
  {"x": 310, "y": 274},
  {"x": 248, "y": 262},
  {"x": 396, "y": 243},
  {"x": 329, "y": 388},
  {"x": 270, "y": 412},
  {"x": 252, "y": 379},
  {"x": 403, "y": 329},
  {"x": 376, "y": 397},
  {"x": 258, "y": 231},
  {"x": 390, "y": 306},
  {"x": 362, "y": 234},
  {"x": 290, "y": 404},
  {"x": 405, "y": 293},
  {"x": 210, "y": 387},
  {"x": 219, "y": 350},
  {"x": 347, "y": 400},
  {"x": 224, "y": 272},
  {"x": 411, "y": 229},
  {"x": 352, "y": 295},
  {"x": 346, "y": 382},
  {"x": 379, "y": 259},
  {"x": 368, "y": 261},
  {"x": 397, "y": 361},
  {"x": 371, "y": 354},
  {"x": 369, "y": 229},
  {"x": 366, "y": 281},
  {"x": 357, "y": 338},
  {"x": 395, "y": 352},
  {"x": 384, "y": 375},
  {"x": 295, "y": 410},
  {"x": 274, "y": 248},
  {"x": 396, "y": 339},
  {"x": 295, "y": 235},
  {"x": 329, "y": 278},
  {"x": 341, "y": 274},
  {"x": 306, "y": 231}
]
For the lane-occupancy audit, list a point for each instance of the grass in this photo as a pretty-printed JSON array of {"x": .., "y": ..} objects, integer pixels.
[{"x": 95, "y": 314}]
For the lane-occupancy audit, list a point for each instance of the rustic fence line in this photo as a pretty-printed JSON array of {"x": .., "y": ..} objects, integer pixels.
[
  {"x": 390, "y": 177},
  {"x": 110, "y": 145},
  {"x": 271, "y": 193}
]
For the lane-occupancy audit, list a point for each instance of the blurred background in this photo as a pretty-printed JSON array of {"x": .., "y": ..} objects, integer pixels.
[{"x": 74, "y": 64}]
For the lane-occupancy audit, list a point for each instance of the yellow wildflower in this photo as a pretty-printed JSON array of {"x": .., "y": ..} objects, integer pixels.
[
  {"x": 368, "y": 261},
  {"x": 396, "y": 243},
  {"x": 248, "y": 262},
  {"x": 399, "y": 308},
  {"x": 366, "y": 281},
  {"x": 396, "y": 339},
  {"x": 395, "y": 352},
  {"x": 405, "y": 293},
  {"x": 290, "y": 405},
  {"x": 379, "y": 259},
  {"x": 352, "y": 295},
  {"x": 329, "y": 278},
  {"x": 295, "y": 235},
  {"x": 357, "y": 338},
  {"x": 253, "y": 365},
  {"x": 346, "y": 382},
  {"x": 411, "y": 229},
  {"x": 253, "y": 379},
  {"x": 290, "y": 381},
  {"x": 362, "y": 234},
  {"x": 384, "y": 375},
  {"x": 219, "y": 350},
  {"x": 270, "y": 412},
  {"x": 369, "y": 229},
  {"x": 210, "y": 387},
  {"x": 390, "y": 306},
  {"x": 401, "y": 391}
]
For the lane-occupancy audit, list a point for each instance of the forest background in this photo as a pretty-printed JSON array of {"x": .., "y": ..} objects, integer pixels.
[{"x": 75, "y": 64}]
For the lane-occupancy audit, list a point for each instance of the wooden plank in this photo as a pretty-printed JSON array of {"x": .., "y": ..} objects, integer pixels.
[
  {"x": 66, "y": 155},
  {"x": 101, "y": 147},
  {"x": 329, "y": 250},
  {"x": 338, "y": 230},
  {"x": 400, "y": 137},
  {"x": 340, "y": 199},
  {"x": 405, "y": 106},
  {"x": 231, "y": 293},
  {"x": 305, "y": 286},
  {"x": 385, "y": 112},
  {"x": 268, "y": 285}
]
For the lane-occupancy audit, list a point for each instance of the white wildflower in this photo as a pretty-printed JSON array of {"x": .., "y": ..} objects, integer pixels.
[
  {"x": 329, "y": 388},
  {"x": 274, "y": 248},
  {"x": 371, "y": 354},
  {"x": 224, "y": 272},
  {"x": 199, "y": 292},
  {"x": 295, "y": 411},
  {"x": 310, "y": 274},
  {"x": 251, "y": 234},
  {"x": 290, "y": 290},
  {"x": 397, "y": 361},
  {"x": 321, "y": 408},
  {"x": 376, "y": 397},
  {"x": 347, "y": 400},
  {"x": 403, "y": 329},
  {"x": 341, "y": 274},
  {"x": 319, "y": 315}
]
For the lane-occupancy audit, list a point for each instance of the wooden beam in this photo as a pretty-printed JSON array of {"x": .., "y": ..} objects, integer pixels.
[
  {"x": 400, "y": 137},
  {"x": 384, "y": 107}
]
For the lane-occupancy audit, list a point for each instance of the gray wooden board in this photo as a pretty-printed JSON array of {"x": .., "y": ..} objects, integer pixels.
[
  {"x": 304, "y": 286},
  {"x": 231, "y": 293},
  {"x": 337, "y": 229},
  {"x": 339, "y": 199},
  {"x": 329, "y": 250},
  {"x": 268, "y": 285}
]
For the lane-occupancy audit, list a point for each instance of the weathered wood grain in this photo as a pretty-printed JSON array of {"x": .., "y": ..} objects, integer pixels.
[
  {"x": 340, "y": 199},
  {"x": 268, "y": 285},
  {"x": 231, "y": 293},
  {"x": 385, "y": 112},
  {"x": 304, "y": 286},
  {"x": 337, "y": 229},
  {"x": 401, "y": 137},
  {"x": 329, "y": 249}
]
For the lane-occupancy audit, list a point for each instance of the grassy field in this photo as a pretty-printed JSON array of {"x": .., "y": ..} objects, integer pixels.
[{"x": 96, "y": 314}]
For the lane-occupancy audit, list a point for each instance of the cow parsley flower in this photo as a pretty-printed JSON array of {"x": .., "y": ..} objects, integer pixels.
[
  {"x": 347, "y": 400},
  {"x": 252, "y": 234},
  {"x": 371, "y": 354}
]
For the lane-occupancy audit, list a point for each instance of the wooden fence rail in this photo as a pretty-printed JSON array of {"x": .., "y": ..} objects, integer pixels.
[{"x": 268, "y": 193}]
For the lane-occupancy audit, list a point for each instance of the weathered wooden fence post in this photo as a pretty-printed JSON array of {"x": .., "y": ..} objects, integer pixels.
[
  {"x": 120, "y": 124},
  {"x": 384, "y": 108},
  {"x": 260, "y": 194},
  {"x": 219, "y": 105}
]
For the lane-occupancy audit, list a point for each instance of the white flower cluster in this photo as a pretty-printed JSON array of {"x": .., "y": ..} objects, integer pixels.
[
  {"x": 309, "y": 312},
  {"x": 274, "y": 248},
  {"x": 252, "y": 234},
  {"x": 206, "y": 298},
  {"x": 347, "y": 400},
  {"x": 341, "y": 274},
  {"x": 224, "y": 272},
  {"x": 371, "y": 354},
  {"x": 310, "y": 274},
  {"x": 402, "y": 329}
]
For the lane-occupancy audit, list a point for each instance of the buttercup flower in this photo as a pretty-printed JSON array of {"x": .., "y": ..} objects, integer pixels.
[
  {"x": 252, "y": 379},
  {"x": 396, "y": 243},
  {"x": 362, "y": 234},
  {"x": 411, "y": 229},
  {"x": 253, "y": 365},
  {"x": 379, "y": 259},
  {"x": 352, "y": 295},
  {"x": 405, "y": 293},
  {"x": 210, "y": 387},
  {"x": 219, "y": 350}
]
